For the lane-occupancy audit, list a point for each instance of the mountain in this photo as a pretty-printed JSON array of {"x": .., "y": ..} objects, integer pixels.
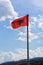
[{"x": 34, "y": 61}]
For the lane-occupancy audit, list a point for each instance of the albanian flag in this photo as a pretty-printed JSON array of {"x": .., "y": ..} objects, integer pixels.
[{"x": 23, "y": 21}]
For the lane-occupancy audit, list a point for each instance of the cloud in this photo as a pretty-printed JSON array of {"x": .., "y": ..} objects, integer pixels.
[
  {"x": 12, "y": 56},
  {"x": 38, "y": 20},
  {"x": 20, "y": 54},
  {"x": 32, "y": 37},
  {"x": 36, "y": 53},
  {"x": 22, "y": 36},
  {"x": 7, "y": 10},
  {"x": 8, "y": 27},
  {"x": 34, "y": 18},
  {"x": 40, "y": 25}
]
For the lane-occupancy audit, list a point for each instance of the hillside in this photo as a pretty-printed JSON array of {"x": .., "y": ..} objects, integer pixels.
[{"x": 34, "y": 61}]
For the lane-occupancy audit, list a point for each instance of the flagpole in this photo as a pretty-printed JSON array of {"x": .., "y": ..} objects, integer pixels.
[{"x": 27, "y": 43}]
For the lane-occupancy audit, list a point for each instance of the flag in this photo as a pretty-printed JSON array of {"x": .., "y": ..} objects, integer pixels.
[{"x": 22, "y": 21}]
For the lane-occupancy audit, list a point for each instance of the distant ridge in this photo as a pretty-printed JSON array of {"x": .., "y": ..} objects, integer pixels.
[{"x": 33, "y": 61}]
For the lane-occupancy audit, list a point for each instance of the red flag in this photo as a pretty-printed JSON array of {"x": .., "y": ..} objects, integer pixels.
[{"x": 23, "y": 21}]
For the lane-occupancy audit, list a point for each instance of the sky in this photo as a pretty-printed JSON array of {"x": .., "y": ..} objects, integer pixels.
[{"x": 13, "y": 43}]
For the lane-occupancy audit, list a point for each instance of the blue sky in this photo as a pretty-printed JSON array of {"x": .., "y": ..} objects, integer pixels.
[{"x": 13, "y": 41}]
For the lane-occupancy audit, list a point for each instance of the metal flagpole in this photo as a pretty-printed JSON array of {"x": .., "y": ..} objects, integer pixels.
[{"x": 27, "y": 43}]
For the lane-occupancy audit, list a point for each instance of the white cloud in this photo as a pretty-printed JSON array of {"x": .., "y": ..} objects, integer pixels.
[
  {"x": 23, "y": 36},
  {"x": 29, "y": 26},
  {"x": 20, "y": 54},
  {"x": 12, "y": 56},
  {"x": 32, "y": 36},
  {"x": 38, "y": 20},
  {"x": 7, "y": 10},
  {"x": 36, "y": 53},
  {"x": 8, "y": 27},
  {"x": 34, "y": 19},
  {"x": 40, "y": 25}
]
